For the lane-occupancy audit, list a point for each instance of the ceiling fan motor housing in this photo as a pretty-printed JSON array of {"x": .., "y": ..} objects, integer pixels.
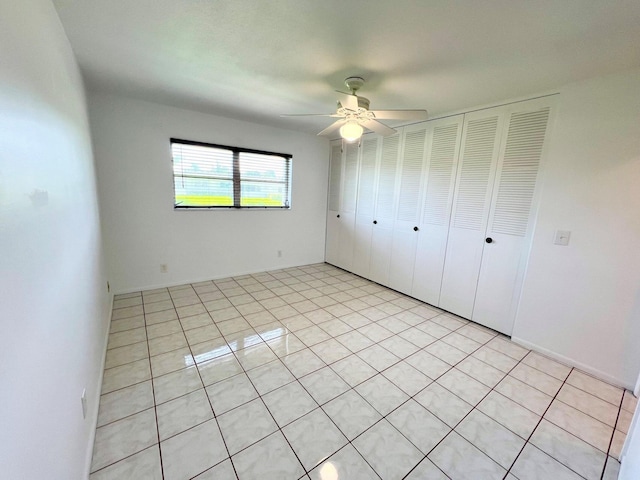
[
  {"x": 363, "y": 103},
  {"x": 354, "y": 83}
]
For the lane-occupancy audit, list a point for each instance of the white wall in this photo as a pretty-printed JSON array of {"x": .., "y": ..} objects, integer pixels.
[
  {"x": 141, "y": 228},
  {"x": 53, "y": 299},
  {"x": 582, "y": 302}
]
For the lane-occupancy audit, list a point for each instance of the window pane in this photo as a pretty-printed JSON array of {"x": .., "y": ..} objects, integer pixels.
[
  {"x": 194, "y": 160},
  {"x": 203, "y": 192},
  {"x": 263, "y": 194},
  {"x": 255, "y": 166},
  {"x": 203, "y": 176}
]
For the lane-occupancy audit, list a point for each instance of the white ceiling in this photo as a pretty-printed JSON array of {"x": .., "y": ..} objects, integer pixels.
[{"x": 254, "y": 60}]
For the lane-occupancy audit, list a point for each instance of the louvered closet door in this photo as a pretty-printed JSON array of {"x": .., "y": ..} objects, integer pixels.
[
  {"x": 348, "y": 207},
  {"x": 442, "y": 162},
  {"x": 405, "y": 227},
  {"x": 510, "y": 219},
  {"x": 471, "y": 204},
  {"x": 386, "y": 194},
  {"x": 335, "y": 188},
  {"x": 365, "y": 204}
]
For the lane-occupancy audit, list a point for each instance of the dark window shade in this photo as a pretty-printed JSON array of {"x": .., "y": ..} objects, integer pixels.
[{"x": 209, "y": 176}]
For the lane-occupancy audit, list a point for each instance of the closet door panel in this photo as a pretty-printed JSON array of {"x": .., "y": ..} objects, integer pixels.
[
  {"x": 333, "y": 222},
  {"x": 429, "y": 264},
  {"x": 405, "y": 229},
  {"x": 497, "y": 291},
  {"x": 366, "y": 205},
  {"x": 442, "y": 161},
  {"x": 385, "y": 204},
  {"x": 460, "y": 274},
  {"x": 380, "y": 253},
  {"x": 362, "y": 246},
  {"x": 510, "y": 219},
  {"x": 403, "y": 256},
  {"x": 347, "y": 238},
  {"x": 333, "y": 238},
  {"x": 348, "y": 207},
  {"x": 471, "y": 203}
]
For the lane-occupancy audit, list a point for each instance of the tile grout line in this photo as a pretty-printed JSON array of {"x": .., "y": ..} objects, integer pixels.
[
  {"x": 466, "y": 415},
  {"x": 349, "y": 442},
  {"x": 153, "y": 390},
  {"x": 233, "y": 352},
  {"x": 541, "y": 416},
  {"x": 352, "y": 353},
  {"x": 297, "y": 379},
  {"x": 393, "y": 335},
  {"x": 379, "y": 372},
  {"x": 588, "y": 414},
  {"x": 492, "y": 390},
  {"x": 133, "y": 414},
  {"x": 528, "y": 440},
  {"x": 279, "y": 428},
  {"x": 613, "y": 434},
  {"x": 204, "y": 389}
]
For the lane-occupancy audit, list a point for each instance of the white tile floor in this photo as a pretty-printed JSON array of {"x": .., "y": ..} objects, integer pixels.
[{"x": 313, "y": 372}]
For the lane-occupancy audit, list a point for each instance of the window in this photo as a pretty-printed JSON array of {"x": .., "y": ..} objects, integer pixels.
[{"x": 216, "y": 176}]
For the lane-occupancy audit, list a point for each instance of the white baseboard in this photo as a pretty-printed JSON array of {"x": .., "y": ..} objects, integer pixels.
[
  {"x": 218, "y": 277},
  {"x": 98, "y": 391},
  {"x": 574, "y": 363}
]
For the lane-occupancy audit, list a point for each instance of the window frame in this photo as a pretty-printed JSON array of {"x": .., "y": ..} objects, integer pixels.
[{"x": 236, "y": 177}]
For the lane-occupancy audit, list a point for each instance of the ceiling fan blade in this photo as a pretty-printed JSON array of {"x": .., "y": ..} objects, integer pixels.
[
  {"x": 335, "y": 115},
  {"x": 348, "y": 101},
  {"x": 401, "y": 114},
  {"x": 333, "y": 127},
  {"x": 378, "y": 127}
]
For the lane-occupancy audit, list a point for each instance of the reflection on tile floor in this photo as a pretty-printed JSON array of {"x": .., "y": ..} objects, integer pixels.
[{"x": 315, "y": 373}]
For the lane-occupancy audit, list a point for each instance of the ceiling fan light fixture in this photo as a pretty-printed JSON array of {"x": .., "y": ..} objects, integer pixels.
[
  {"x": 351, "y": 131},
  {"x": 353, "y": 115}
]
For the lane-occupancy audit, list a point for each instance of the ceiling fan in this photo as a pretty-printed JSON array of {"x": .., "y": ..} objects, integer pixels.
[{"x": 354, "y": 116}]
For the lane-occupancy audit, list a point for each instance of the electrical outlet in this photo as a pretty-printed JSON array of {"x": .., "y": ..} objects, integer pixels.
[
  {"x": 83, "y": 399},
  {"x": 279, "y": 253},
  {"x": 164, "y": 268}
]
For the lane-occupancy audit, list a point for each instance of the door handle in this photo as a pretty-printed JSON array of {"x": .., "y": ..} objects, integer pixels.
[
  {"x": 489, "y": 240},
  {"x": 415, "y": 229},
  {"x": 375, "y": 222},
  {"x": 338, "y": 216}
]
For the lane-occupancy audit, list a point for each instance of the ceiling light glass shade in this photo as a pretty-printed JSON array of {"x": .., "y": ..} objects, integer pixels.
[{"x": 351, "y": 131}]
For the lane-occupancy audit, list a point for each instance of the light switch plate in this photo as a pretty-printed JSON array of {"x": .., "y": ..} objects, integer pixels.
[{"x": 562, "y": 237}]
